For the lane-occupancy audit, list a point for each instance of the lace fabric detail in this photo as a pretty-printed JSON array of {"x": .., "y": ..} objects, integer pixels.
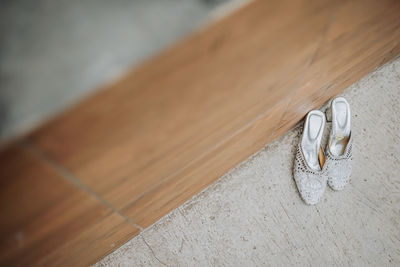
[
  {"x": 339, "y": 168},
  {"x": 310, "y": 183},
  {"x": 336, "y": 172}
]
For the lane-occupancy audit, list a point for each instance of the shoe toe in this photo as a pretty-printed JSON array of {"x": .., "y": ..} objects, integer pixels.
[
  {"x": 311, "y": 190},
  {"x": 339, "y": 177},
  {"x": 338, "y": 183}
]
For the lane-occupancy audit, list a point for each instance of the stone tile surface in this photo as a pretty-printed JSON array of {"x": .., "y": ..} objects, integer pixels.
[{"x": 143, "y": 255}]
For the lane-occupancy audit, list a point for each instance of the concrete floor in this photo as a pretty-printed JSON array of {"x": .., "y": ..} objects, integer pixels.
[
  {"x": 253, "y": 216},
  {"x": 53, "y": 53}
]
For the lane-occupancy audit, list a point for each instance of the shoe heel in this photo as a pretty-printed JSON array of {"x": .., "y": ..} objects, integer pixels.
[{"x": 328, "y": 112}]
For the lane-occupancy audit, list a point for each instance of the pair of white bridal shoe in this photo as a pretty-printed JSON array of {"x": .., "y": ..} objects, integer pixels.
[{"x": 313, "y": 168}]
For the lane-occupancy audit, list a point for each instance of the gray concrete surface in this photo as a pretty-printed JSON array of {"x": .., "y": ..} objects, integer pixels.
[
  {"x": 52, "y": 53},
  {"x": 253, "y": 216}
]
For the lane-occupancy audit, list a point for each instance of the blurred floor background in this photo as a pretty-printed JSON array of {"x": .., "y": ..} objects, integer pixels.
[{"x": 52, "y": 53}]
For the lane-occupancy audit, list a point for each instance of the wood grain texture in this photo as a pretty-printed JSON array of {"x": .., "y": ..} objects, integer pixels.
[
  {"x": 93, "y": 244},
  {"x": 177, "y": 188},
  {"x": 362, "y": 36},
  {"x": 183, "y": 105},
  {"x": 42, "y": 214}
]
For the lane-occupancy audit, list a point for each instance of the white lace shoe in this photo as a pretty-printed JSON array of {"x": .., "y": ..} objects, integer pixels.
[
  {"x": 309, "y": 172},
  {"x": 339, "y": 151}
]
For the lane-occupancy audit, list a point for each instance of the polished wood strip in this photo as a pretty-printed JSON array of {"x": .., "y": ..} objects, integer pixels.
[
  {"x": 42, "y": 212},
  {"x": 177, "y": 188},
  {"x": 362, "y": 36},
  {"x": 93, "y": 244},
  {"x": 179, "y": 107}
]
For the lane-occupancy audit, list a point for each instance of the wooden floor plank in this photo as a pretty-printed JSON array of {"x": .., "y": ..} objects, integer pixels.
[
  {"x": 362, "y": 36},
  {"x": 41, "y": 212},
  {"x": 177, "y": 188},
  {"x": 181, "y": 105},
  {"x": 92, "y": 245}
]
